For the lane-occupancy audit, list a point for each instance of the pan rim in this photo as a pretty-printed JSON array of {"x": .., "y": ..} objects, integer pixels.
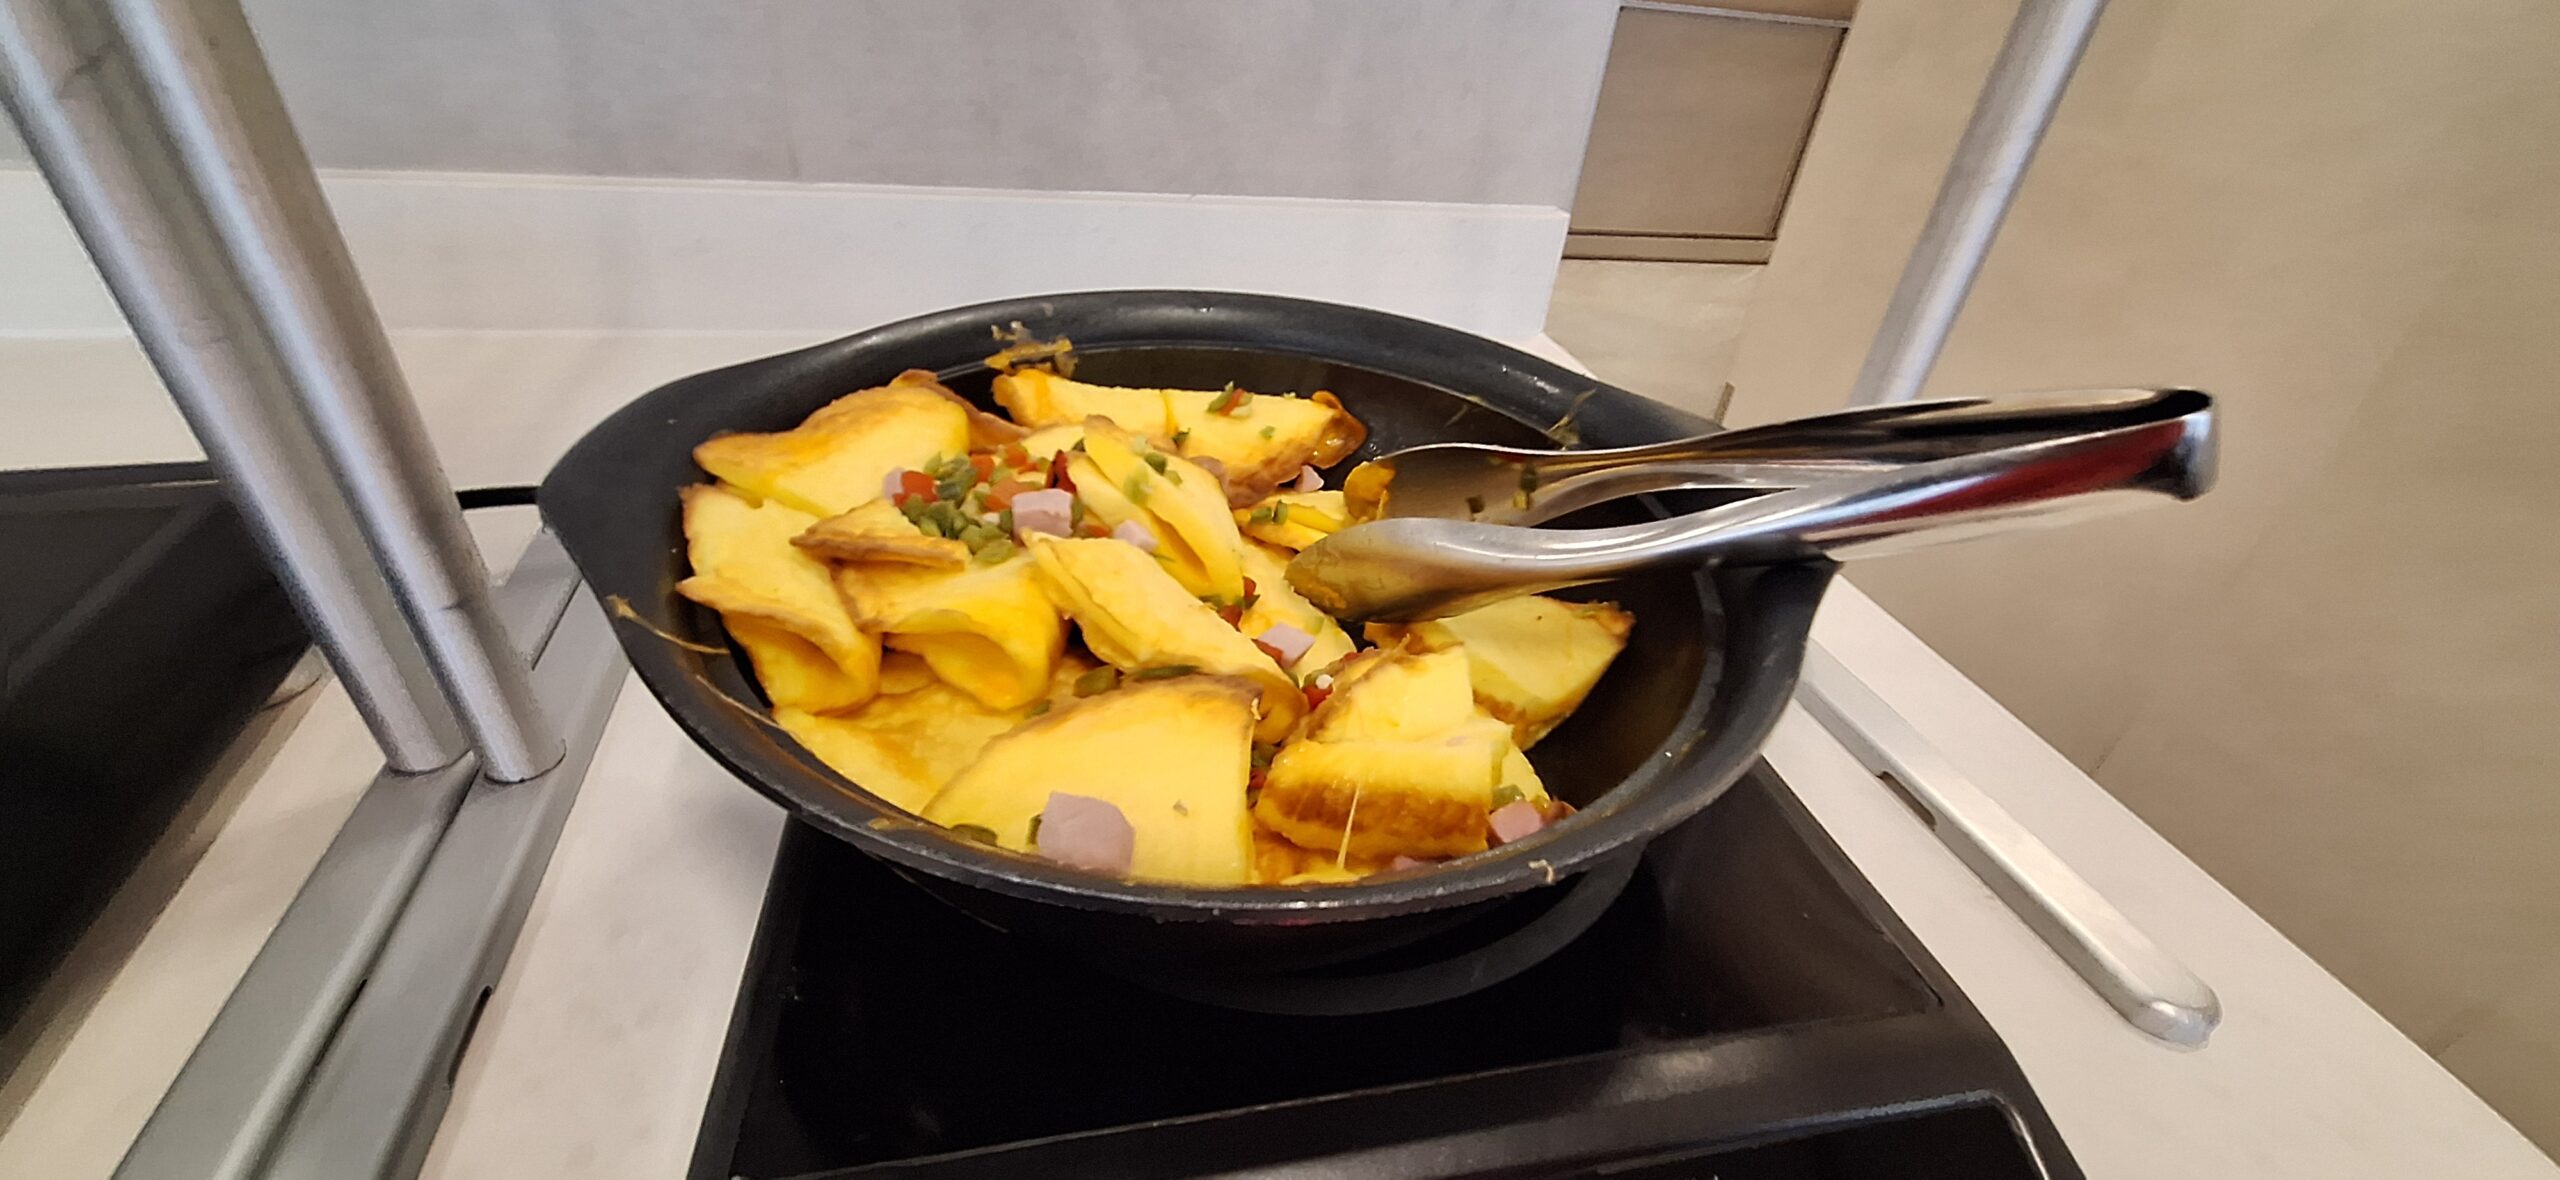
[{"x": 1299, "y": 329}]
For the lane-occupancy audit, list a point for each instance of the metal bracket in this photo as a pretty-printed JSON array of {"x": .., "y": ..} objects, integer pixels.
[
  {"x": 319, "y": 978},
  {"x": 2145, "y": 984}
]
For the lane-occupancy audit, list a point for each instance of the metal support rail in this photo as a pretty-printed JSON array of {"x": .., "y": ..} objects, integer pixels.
[
  {"x": 162, "y": 131},
  {"x": 2146, "y": 985},
  {"x": 222, "y": 1115},
  {"x": 2009, "y": 120},
  {"x": 77, "y": 106}
]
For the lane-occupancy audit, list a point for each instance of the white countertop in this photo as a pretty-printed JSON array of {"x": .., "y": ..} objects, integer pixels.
[{"x": 595, "y": 1055}]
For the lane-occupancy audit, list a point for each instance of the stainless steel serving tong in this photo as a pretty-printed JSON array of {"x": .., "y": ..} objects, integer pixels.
[
  {"x": 1451, "y": 535},
  {"x": 1450, "y": 530}
]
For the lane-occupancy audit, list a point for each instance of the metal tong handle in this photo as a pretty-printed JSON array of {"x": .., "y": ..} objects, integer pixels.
[
  {"x": 1483, "y": 483},
  {"x": 1424, "y": 568},
  {"x": 2147, "y": 985}
]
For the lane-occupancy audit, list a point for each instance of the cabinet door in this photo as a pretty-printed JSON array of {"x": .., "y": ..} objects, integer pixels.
[{"x": 1700, "y": 122}]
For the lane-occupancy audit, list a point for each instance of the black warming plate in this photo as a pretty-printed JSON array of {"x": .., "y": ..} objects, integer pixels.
[{"x": 1747, "y": 1008}]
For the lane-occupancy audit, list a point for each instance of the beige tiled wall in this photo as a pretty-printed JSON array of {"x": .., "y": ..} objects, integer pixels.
[
  {"x": 1482, "y": 101},
  {"x": 2330, "y": 681}
]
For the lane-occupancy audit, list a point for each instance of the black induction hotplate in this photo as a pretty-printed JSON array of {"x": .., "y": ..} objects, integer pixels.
[{"x": 1747, "y": 1008}]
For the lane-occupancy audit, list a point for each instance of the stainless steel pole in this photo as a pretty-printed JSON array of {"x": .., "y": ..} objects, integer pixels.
[
  {"x": 78, "y": 109},
  {"x": 2009, "y": 120},
  {"x": 197, "y": 84}
]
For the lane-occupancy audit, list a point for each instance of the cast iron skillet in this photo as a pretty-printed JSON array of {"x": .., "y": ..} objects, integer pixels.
[{"x": 1681, "y": 715}]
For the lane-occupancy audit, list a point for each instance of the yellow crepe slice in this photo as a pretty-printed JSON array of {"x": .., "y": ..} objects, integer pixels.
[
  {"x": 1278, "y": 860},
  {"x": 1136, "y": 617},
  {"x": 838, "y": 457},
  {"x": 1180, "y": 505},
  {"x": 917, "y": 734},
  {"x": 1047, "y": 441},
  {"x": 1260, "y": 439},
  {"x": 904, "y": 671},
  {"x": 1516, "y": 773},
  {"x": 877, "y": 531},
  {"x": 1397, "y": 798},
  {"x": 1276, "y": 603},
  {"x": 904, "y": 747},
  {"x": 1401, "y": 754},
  {"x": 1395, "y": 695},
  {"x": 1172, "y": 755},
  {"x": 776, "y": 600},
  {"x": 987, "y": 629},
  {"x": 1532, "y": 659},
  {"x": 1295, "y": 520}
]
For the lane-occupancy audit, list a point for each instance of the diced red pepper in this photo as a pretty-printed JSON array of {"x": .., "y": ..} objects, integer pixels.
[
  {"x": 1230, "y": 401},
  {"x": 1316, "y": 695},
  {"x": 1233, "y": 614},
  {"x": 984, "y": 464},
  {"x": 1058, "y": 477},
  {"x": 1276, "y": 655},
  {"x": 1092, "y": 528},
  {"x": 915, "y": 483},
  {"x": 1249, "y": 591},
  {"x": 1016, "y": 458},
  {"x": 1000, "y": 496}
]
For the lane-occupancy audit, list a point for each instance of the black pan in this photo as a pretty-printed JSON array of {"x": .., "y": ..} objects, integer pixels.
[{"x": 1682, "y": 714}]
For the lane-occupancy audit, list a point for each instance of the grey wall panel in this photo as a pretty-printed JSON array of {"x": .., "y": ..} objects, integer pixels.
[
  {"x": 1482, "y": 101},
  {"x": 1436, "y": 100}
]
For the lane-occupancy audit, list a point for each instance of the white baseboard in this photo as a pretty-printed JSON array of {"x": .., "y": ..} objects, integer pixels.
[{"x": 447, "y": 252}]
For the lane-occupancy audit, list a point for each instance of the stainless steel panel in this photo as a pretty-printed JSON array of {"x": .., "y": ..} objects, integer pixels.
[{"x": 1700, "y": 123}]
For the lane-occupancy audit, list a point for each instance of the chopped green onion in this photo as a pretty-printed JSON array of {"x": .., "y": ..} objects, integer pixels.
[
  {"x": 1180, "y": 437},
  {"x": 1504, "y": 796},
  {"x": 1033, "y": 835},
  {"x": 1040, "y": 709},
  {"x": 1166, "y": 672},
  {"x": 1268, "y": 431},
  {"x": 1075, "y": 512},
  {"x": 977, "y": 832},
  {"x": 994, "y": 552},
  {"x": 1135, "y": 487},
  {"x": 1156, "y": 460},
  {"x": 1098, "y": 681}
]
